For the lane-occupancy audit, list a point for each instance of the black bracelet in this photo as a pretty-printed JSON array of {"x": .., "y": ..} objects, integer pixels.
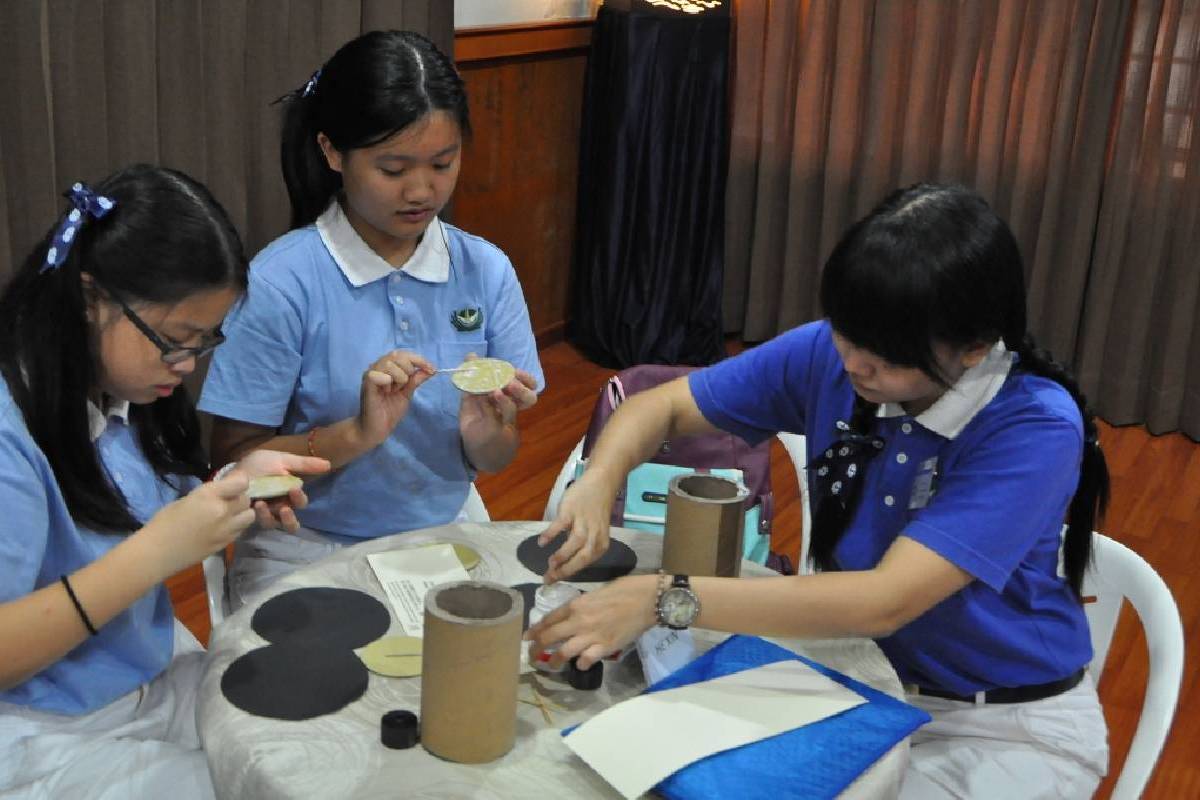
[{"x": 78, "y": 606}]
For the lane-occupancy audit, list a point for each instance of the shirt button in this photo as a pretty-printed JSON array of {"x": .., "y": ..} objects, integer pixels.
[
  {"x": 901, "y": 458},
  {"x": 889, "y": 501},
  {"x": 404, "y": 325},
  {"x": 906, "y": 427},
  {"x": 399, "y": 301}
]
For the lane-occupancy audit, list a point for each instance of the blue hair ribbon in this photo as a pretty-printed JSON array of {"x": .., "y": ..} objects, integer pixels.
[{"x": 85, "y": 202}]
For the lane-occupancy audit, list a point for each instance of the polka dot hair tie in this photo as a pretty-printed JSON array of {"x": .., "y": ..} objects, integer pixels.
[{"x": 85, "y": 202}]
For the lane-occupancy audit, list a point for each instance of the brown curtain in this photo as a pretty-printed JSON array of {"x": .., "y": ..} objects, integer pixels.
[
  {"x": 837, "y": 102},
  {"x": 88, "y": 87},
  {"x": 1139, "y": 358}
]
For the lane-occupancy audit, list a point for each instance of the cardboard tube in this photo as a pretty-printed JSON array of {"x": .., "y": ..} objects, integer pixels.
[
  {"x": 703, "y": 533},
  {"x": 469, "y": 668}
]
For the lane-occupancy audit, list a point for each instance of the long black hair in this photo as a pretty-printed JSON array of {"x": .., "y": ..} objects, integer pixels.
[
  {"x": 934, "y": 263},
  {"x": 372, "y": 88},
  {"x": 165, "y": 239}
]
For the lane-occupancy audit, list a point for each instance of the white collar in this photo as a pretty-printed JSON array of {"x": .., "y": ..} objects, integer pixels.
[
  {"x": 951, "y": 412},
  {"x": 361, "y": 265},
  {"x": 98, "y": 420}
]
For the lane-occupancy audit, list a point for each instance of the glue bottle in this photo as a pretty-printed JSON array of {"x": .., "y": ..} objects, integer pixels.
[{"x": 546, "y": 599}]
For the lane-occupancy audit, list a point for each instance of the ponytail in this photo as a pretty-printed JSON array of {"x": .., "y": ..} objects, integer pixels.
[
  {"x": 1091, "y": 495},
  {"x": 311, "y": 184}
]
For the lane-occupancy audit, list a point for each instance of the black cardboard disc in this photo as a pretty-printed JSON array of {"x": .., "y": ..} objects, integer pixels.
[
  {"x": 618, "y": 560},
  {"x": 322, "y": 616},
  {"x": 291, "y": 682}
]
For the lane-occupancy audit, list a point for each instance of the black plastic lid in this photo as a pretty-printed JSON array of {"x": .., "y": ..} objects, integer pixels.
[
  {"x": 586, "y": 679},
  {"x": 399, "y": 730}
]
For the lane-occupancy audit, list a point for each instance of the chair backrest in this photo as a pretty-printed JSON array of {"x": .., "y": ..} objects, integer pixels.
[
  {"x": 565, "y": 476},
  {"x": 710, "y": 451},
  {"x": 796, "y": 446},
  {"x": 474, "y": 508},
  {"x": 214, "y": 587},
  {"x": 1119, "y": 573}
]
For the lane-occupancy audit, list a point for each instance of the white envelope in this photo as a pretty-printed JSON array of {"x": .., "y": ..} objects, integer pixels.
[{"x": 636, "y": 744}]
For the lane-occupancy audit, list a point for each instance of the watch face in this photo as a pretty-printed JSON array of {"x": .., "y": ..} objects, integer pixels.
[{"x": 678, "y": 606}]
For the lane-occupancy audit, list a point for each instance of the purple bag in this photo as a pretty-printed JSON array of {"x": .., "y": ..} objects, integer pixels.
[{"x": 710, "y": 451}]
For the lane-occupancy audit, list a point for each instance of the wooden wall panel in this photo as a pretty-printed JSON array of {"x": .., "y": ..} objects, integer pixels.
[{"x": 519, "y": 174}]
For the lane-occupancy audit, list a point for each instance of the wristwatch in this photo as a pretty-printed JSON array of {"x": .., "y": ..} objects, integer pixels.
[{"x": 677, "y": 606}]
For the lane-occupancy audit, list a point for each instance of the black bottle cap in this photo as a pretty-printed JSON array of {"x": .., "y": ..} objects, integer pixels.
[
  {"x": 586, "y": 679},
  {"x": 398, "y": 730}
]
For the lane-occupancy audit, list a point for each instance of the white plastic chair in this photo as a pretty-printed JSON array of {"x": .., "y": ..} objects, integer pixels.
[
  {"x": 214, "y": 565},
  {"x": 214, "y": 586},
  {"x": 795, "y": 445},
  {"x": 565, "y": 476},
  {"x": 475, "y": 510},
  {"x": 1118, "y": 573}
]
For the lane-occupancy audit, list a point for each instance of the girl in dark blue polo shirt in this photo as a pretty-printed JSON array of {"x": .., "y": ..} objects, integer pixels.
[{"x": 946, "y": 451}]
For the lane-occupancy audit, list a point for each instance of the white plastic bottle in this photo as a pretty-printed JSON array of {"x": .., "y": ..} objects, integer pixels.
[{"x": 546, "y": 599}]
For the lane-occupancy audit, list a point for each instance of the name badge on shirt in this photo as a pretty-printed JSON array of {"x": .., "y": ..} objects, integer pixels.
[{"x": 924, "y": 485}]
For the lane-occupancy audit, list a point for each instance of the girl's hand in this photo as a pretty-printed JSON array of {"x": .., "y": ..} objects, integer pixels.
[
  {"x": 584, "y": 513},
  {"x": 600, "y": 622},
  {"x": 482, "y": 417},
  {"x": 280, "y": 512},
  {"x": 386, "y": 392},
  {"x": 198, "y": 524}
]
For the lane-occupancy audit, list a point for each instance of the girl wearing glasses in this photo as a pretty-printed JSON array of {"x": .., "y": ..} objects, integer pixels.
[
  {"x": 101, "y": 492},
  {"x": 348, "y": 314},
  {"x": 945, "y": 452}
]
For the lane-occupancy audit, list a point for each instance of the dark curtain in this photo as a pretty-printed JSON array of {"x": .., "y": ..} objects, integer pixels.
[
  {"x": 90, "y": 87},
  {"x": 650, "y": 237}
]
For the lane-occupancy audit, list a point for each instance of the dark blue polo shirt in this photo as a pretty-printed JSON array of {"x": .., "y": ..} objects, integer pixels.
[{"x": 1008, "y": 447}]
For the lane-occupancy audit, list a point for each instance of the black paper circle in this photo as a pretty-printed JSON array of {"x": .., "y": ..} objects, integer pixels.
[
  {"x": 287, "y": 681},
  {"x": 618, "y": 560},
  {"x": 324, "y": 616}
]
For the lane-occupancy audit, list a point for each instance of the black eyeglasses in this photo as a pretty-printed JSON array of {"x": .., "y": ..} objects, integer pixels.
[{"x": 171, "y": 353}]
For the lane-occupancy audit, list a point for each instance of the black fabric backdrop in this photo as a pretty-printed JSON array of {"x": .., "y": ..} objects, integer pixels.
[{"x": 649, "y": 253}]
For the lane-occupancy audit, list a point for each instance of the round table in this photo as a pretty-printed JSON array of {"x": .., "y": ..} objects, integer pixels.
[{"x": 340, "y": 755}]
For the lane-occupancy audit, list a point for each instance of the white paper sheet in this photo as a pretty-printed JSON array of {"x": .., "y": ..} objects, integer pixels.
[
  {"x": 636, "y": 744},
  {"x": 406, "y": 575}
]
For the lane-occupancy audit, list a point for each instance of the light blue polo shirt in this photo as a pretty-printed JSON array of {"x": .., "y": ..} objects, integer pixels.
[
  {"x": 39, "y": 542},
  {"x": 321, "y": 308},
  {"x": 1008, "y": 447}
]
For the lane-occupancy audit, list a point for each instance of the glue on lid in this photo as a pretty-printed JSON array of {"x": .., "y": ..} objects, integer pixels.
[
  {"x": 483, "y": 375},
  {"x": 272, "y": 486}
]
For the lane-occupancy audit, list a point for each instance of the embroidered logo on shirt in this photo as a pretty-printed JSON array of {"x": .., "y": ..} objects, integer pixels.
[{"x": 467, "y": 319}]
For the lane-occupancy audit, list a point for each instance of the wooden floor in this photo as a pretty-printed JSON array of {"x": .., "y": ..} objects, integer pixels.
[{"x": 1155, "y": 510}]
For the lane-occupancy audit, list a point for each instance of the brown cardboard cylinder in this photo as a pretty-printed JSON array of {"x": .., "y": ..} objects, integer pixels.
[
  {"x": 469, "y": 669},
  {"x": 703, "y": 533}
]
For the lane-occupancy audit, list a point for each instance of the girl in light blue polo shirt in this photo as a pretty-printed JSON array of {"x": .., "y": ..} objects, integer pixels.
[
  {"x": 945, "y": 451},
  {"x": 333, "y": 353},
  {"x": 100, "y": 459}
]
